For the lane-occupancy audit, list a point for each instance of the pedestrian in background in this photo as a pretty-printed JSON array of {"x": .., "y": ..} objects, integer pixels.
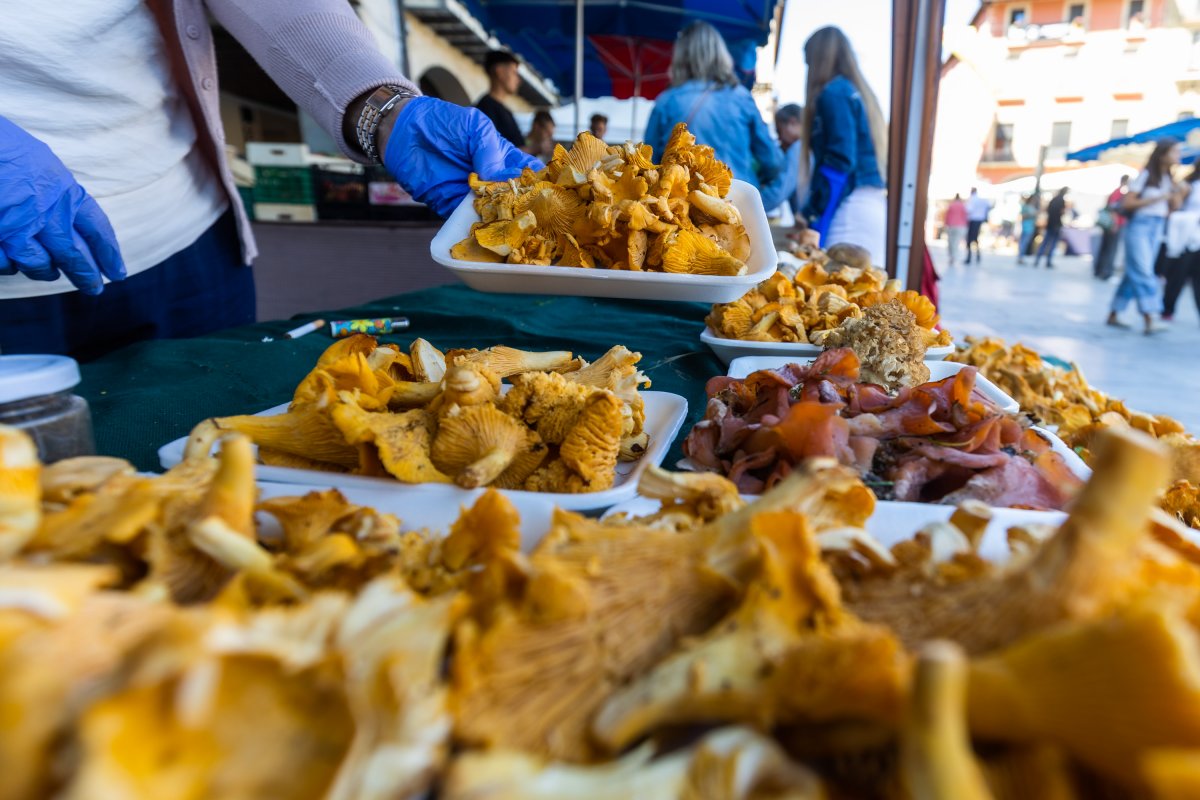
[
  {"x": 791, "y": 184},
  {"x": 599, "y": 126},
  {"x": 977, "y": 214},
  {"x": 1055, "y": 209},
  {"x": 1111, "y": 221},
  {"x": 1029, "y": 217},
  {"x": 503, "y": 81},
  {"x": 540, "y": 142},
  {"x": 1149, "y": 200},
  {"x": 956, "y": 227},
  {"x": 845, "y": 136},
  {"x": 718, "y": 110},
  {"x": 1183, "y": 246}
]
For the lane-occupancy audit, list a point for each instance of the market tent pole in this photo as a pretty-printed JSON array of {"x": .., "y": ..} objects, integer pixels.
[
  {"x": 916, "y": 58},
  {"x": 578, "y": 63}
]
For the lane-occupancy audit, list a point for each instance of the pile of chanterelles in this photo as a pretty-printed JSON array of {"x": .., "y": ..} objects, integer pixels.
[
  {"x": 1063, "y": 398},
  {"x": 156, "y": 641},
  {"x": 602, "y": 206},
  {"x": 822, "y": 297},
  {"x": 432, "y": 417}
]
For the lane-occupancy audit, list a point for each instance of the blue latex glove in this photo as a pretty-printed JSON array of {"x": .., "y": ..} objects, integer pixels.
[
  {"x": 435, "y": 145},
  {"x": 837, "y": 187},
  {"x": 48, "y": 223}
]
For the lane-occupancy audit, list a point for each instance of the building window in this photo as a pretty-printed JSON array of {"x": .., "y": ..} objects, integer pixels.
[
  {"x": 1135, "y": 16},
  {"x": 1060, "y": 140},
  {"x": 1076, "y": 11},
  {"x": 1018, "y": 17},
  {"x": 1120, "y": 129},
  {"x": 1000, "y": 145}
]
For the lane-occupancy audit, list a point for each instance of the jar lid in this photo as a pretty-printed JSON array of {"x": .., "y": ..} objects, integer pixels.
[{"x": 23, "y": 377}]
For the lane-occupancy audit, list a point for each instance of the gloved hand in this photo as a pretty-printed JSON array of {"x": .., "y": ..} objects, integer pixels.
[
  {"x": 435, "y": 145},
  {"x": 48, "y": 223}
]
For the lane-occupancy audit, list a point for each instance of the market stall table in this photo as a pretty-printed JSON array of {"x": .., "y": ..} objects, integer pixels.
[{"x": 150, "y": 393}]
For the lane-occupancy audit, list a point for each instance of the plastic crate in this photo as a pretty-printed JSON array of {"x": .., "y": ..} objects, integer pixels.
[
  {"x": 285, "y": 212},
  {"x": 291, "y": 185}
]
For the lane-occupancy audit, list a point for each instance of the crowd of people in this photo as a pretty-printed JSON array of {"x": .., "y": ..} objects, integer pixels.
[
  {"x": 1153, "y": 218},
  {"x": 159, "y": 244},
  {"x": 827, "y": 158}
]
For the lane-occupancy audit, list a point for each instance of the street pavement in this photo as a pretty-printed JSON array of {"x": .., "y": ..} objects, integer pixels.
[{"x": 1061, "y": 313}]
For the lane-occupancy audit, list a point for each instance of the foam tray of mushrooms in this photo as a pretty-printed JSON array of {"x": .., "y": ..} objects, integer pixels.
[
  {"x": 608, "y": 221},
  {"x": 370, "y": 417},
  {"x": 804, "y": 311}
]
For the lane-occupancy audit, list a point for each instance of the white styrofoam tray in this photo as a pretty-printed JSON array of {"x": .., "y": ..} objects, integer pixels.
[
  {"x": 729, "y": 349},
  {"x": 433, "y": 510},
  {"x": 741, "y": 367},
  {"x": 583, "y": 282},
  {"x": 665, "y": 414},
  {"x": 894, "y": 522}
]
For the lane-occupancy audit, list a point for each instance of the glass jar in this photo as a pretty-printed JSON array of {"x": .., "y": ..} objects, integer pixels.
[{"x": 36, "y": 396}]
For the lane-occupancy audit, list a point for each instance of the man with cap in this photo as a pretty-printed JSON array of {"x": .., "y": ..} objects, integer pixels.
[{"x": 501, "y": 67}]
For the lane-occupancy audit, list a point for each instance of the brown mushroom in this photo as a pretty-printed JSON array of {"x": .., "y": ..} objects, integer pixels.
[{"x": 850, "y": 255}]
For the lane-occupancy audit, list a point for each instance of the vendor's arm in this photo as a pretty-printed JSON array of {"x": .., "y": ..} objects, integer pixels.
[
  {"x": 48, "y": 224},
  {"x": 319, "y": 53},
  {"x": 326, "y": 60}
]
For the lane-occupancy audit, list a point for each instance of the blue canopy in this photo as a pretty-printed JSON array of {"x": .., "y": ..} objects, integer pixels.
[
  {"x": 625, "y": 40},
  {"x": 1176, "y": 130}
]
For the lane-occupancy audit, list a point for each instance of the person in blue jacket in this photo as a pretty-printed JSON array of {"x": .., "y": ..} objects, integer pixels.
[
  {"x": 791, "y": 185},
  {"x": 718, "y": 110},
  {"x": 845, "y": 134}
]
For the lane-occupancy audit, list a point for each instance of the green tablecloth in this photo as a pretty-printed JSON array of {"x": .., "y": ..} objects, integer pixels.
[{"x": 151, "y": 393}]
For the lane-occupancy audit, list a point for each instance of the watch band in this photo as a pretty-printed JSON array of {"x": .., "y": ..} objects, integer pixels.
[{"x": 378, "y": 105}]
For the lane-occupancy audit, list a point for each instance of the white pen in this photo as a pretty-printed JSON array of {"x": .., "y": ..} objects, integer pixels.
[{"x": 306, "y": 328}]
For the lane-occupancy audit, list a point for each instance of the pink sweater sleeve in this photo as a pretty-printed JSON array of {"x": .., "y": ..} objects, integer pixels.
[{"x": 316, "y": 50}]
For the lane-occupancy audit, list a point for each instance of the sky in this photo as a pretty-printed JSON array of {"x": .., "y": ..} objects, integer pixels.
[{"x": 868, "y": 24}]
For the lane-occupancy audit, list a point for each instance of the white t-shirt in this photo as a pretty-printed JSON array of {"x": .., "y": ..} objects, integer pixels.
[
  {"x": 90, "y": 78},
  {"x": 1163, "y": 190},
  {"x": 1192, "y": 202},
  {"x": 977, "y": 208}
]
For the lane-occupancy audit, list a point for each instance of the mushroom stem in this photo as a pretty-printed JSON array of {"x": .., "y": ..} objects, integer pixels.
[
  {"x": 936, "y": 756},
  {"x": 486, "y": 469}
]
